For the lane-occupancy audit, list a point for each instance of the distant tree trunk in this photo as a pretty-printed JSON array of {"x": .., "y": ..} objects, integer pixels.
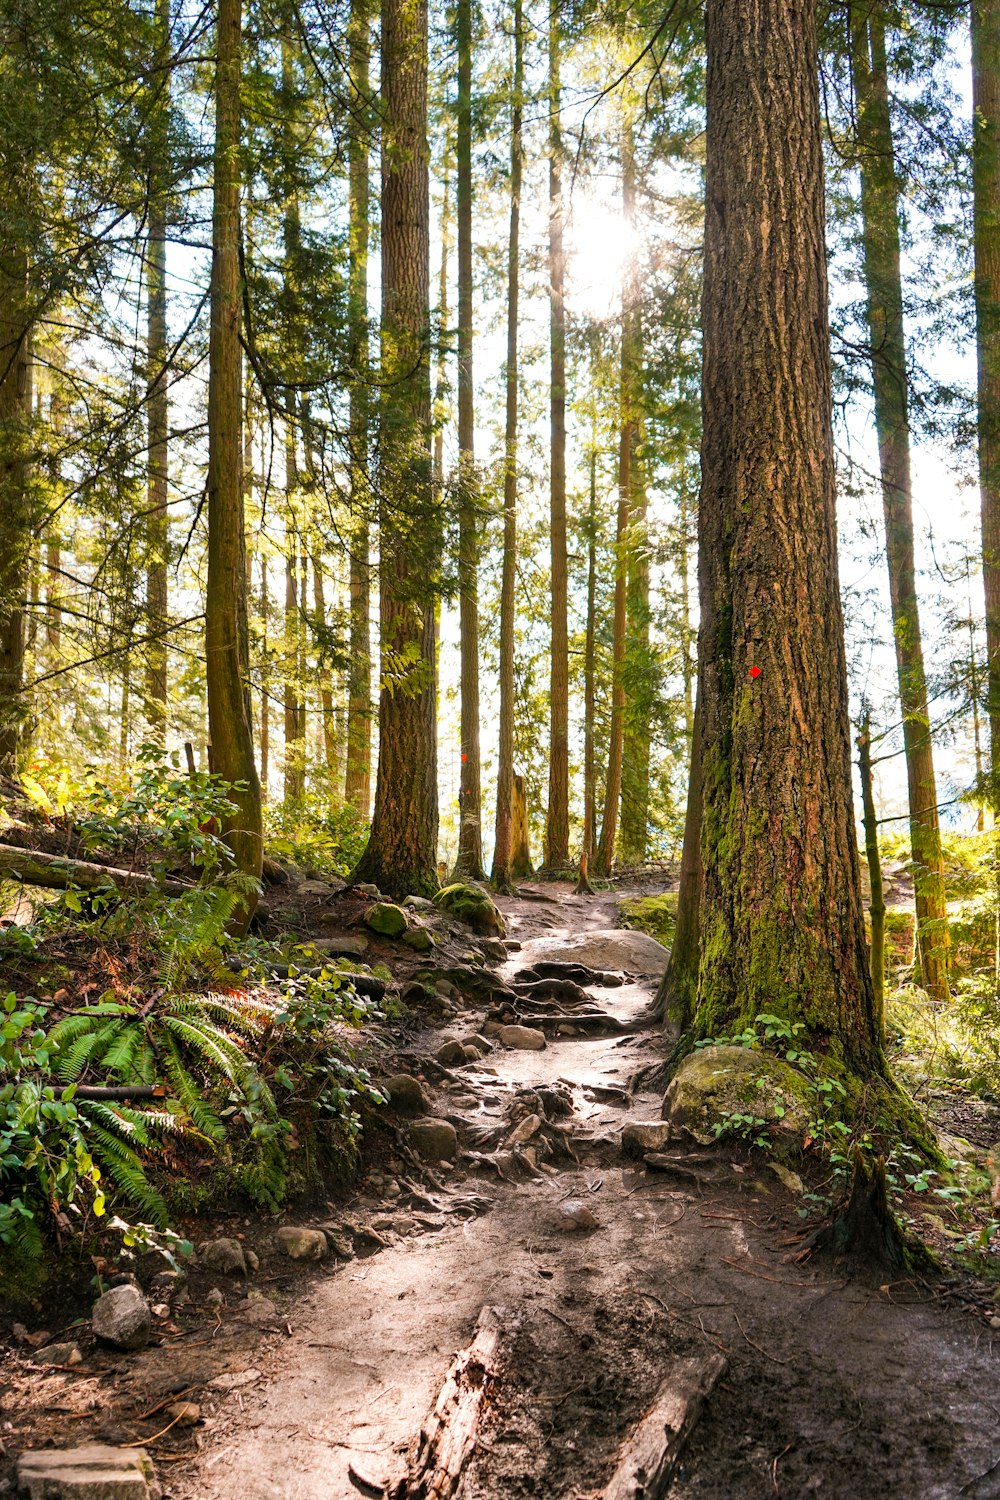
[
  {"x": 589, "y": 682},
  {"x": 781, "y": 919},
  {"x": 877, "y": 905},
  {"x": 294, "y": 742},
  {"x": 401, "y": 855},
  {"x": 16, "y": 382},
  {"x": 678, "y": 992},
  {"x": 502, "y": 848},
  {"x": 880, "y": 232},
  {"x": 265, "y": 679},
  {"x": 226, "y": 646},
  {"x": 357, "y": 785},
  {"x": 295, "y": 527},
  {"x": 688, "y": 665},
  {"x": 326, "y": 690},
  {"x": 986, "y": 243},
  {"x": 637, "y": 664},
  {"x": 469, "y": 863},
  {"x": 157, "y": 397},
  {"x": 557, "y": 820},
  {"x": 521, "y": 867}
]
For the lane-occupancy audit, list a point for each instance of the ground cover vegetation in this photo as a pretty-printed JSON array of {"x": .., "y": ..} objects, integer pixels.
[{"x": 422, "y": 432}]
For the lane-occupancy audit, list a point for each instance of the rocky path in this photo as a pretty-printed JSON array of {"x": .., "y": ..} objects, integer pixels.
[
  {"x": 593, "y": 1290},
  {"x": 607, "y": 1276}
]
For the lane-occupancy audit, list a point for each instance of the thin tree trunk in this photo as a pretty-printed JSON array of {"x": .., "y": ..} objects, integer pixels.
[
  {"x": 265, "y": 679},
  {"x": 358, "y": 776},
  {"x": 678, "y": 992},
  {"x": 880, "y": 232},
  {"x": 876, "y": 908},
  {"x": 326, "y": 690},
  {"x": 557, "y": 820},
  {"x": 469, "y": 863},
  {"x": 781, "y": 919},
  {"x": 637, "y": 666},
  {"x": 521, "y": 867},
  {"x": 226, "y": 646},
  {"x": 157, "y": 396},
  {"x": 589, "y": 681},
  {"x": 986, "y": 243},
  {"x": 502, "y": 848},
  {"x": 401, "y": 855},
  {"x": 295, "y": 523},
  {"x": 688, "y": 664}
]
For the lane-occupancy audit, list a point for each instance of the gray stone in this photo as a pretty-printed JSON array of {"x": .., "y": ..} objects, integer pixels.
[
  {"x": 640, "y": 1136},
  {"x": 419, "y": 903},
  {"x": 261, "y": 1312},
  {"x": 59, "y": 1354},
  {"x": 434, "y": 1140},
  {"x": 474, "y": 906},
  {"x": 494, "y": 949},
  {"x": 713, "y": 1084},
  {"x": 234, "y": 1381},
  {"x": 341, "y": 945},
  {"x": 386, "y": 919},
  {"x": 224, "y": 1256},
  {"x": 419, "y": 939},
  {"x": 367, "y": 889},
  {"x": 451, "y": 1054},
  {"x": 479, "y": 1042},
  {"x": 471, "y": 1054},
  {"x": 94, "y": 1471},
  {"x": 252, "y": 1259},
  {"x": 301, "y": 1244},
  {"x": 522, "y": 1038},
  {"x": 122, "y": 1317},
  {"x": 574, "y": 1214},
  {"x": 612, "y": 948},
  {"x": 405, "y": 1094}
]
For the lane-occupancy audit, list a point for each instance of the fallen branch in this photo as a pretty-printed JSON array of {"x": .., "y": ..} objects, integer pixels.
[
  {"x": 59, "y": 873},
  {"x": 649, "y": 1457},
  {"x": 448, "y": 1435}
]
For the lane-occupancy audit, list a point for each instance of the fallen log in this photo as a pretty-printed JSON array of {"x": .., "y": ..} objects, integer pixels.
[
  {"x": 448, "y": 1435},
  {"x": 59, "y": 873},
  {"x": 647, "y": 1460}
]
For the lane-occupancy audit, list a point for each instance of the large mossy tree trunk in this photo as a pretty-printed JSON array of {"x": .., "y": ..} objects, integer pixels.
[
  {"x": 557, "y": 817},
  {"x": 469, "y": 863},
  {"x": 358, "y": 776},
  {"x": 157, "y": 395},
  {"x": 887, "y": 353},
  {"x": 226, "y": 638},
  {"x": 781, "y": 918},
  {"x": 401, "y": 854},
  {"x": 503, "y": 839},
  {"x": 985, "y": 19}
]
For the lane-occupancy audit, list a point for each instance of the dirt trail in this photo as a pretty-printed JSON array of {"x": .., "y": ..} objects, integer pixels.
[{"x": 832, "y": 1388}]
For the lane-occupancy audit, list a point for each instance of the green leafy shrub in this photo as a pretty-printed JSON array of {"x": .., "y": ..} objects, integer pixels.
[{"x": 318, "y": 839}]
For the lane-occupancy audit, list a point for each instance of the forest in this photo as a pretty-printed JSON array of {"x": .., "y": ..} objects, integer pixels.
[{"x": 499, "y": 748}]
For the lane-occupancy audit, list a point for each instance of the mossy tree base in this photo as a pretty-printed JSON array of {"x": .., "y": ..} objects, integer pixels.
[{"x": 865, "y": 1230}]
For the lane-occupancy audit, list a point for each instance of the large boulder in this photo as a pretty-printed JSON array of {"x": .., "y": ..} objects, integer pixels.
[
  {"x": 224, "y": 1256},
  {"x": 434, "y": 1140},
  {"x": 122, "y": 1317},
  {"x": 713, "y": 1085},
  {"x": 612, "y": 948},
  {"x": 473, "y": 906},
  {"x": 405, "y": 1094},
  {"x": 302, "y": 1244}
]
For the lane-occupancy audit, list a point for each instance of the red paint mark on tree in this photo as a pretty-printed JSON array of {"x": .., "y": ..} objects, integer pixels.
[{"x": 755, "y": 671}]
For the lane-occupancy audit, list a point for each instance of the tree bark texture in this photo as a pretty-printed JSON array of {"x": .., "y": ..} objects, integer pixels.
[
  {"x": 358, "y": 777},
  {"x": 295, "y": 524},
  {"x": 876, "y": 908},
  {"x": 781, "y": 919},
  {"x": 557, "y": 819},
  {"x": 226, "y": 647},
  {"x": 469, "y": 864},
  {"x": 880, "y": 233},
  {"x": 502, "y": 846},
  {"x": 521, "y": 867},
  {"x": 157, "y": 397},
  {"x": 401, "y": 855}
]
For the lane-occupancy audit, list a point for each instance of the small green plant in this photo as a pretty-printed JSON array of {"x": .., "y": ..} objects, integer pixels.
[{"x": 745, "y": 1127}]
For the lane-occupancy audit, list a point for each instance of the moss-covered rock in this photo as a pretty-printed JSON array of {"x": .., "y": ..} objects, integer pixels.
[
  {"x": 473, "y": 906},
  {"x": 419, "y": 939},
  {"x": 386, "y": 919},
  {"x": 715, "y": 1085}
]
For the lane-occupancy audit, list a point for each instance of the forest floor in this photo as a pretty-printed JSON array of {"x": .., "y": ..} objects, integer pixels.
[{"x": 834, "y": 1384}]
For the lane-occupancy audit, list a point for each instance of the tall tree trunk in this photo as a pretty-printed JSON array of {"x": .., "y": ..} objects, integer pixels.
[
  {"x": 678, "y": 991},
  {"x": 781, "y": 919},
  {"x": 401, "y": 855},
  {"x": 637, "y": 666},
  {"x": 628, "y": 483},
  {"x": 688, "y": 664},
  {"x": 16, "y": 382},
  {"x": 557, "y": 820},
  {"x": 876, "y": 906},
  {"x": 880, "y": 233},
  {"x": 295, "y": 524},
  {"x": 326, "y": 689},
  {"x": 157, "y": 398},
  {"x": 469, "y": 863},
  {"x": 265, "y": 679},
  {"x": 502, "y": 847},
  {"x": 358, "y": 777},
  {"x": 986, "y": 242},
  {"x": 226, "y": 647},
  {"x": 590, "y": 680}
]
